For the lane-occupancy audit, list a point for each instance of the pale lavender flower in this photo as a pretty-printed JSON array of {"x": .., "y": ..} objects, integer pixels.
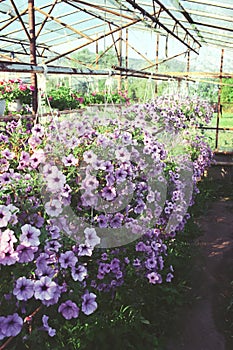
[
  {"x": 69, "y": 310},
  {"x": 67, "y": 259},
  {"x": 69, "y": 160},
  {"x": 84, "y": 250},
  {"x": 37, "y": 157},
  {"x": 24, "y": 288},
  {"x": 122, "y": 154},
  {"x": 89, "y": 157},
  {"x": 89, "y": 305},
  {"x": 8, "y": 154},
  {"x": 34, "y": 141},
  {"x": 30, "y": 236},
  {"x": 5, "y": 215},
  {"x": 90, "y": 183},
  {"x": 37, "y": 130},
  {"x": 25, "y": 157},
  {"x": 11, "y": 325},
  {"x": 79, "y": 273},
  {"x": 55, "y": 181},
  {"x": 4, "y": 165},
  {"x": 7, "y": 240},
  {"x": 89, "y": 199},
  {"x": 44, "y": 289},
  {"x": 51, "y": 331},
  {"x": 154, "y": 278},
  {"x": 53, "y": 208},
  {"x": 91, "y": 237}
]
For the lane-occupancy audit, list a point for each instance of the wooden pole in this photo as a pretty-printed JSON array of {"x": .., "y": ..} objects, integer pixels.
[
  {"x": 219, "y": 100},
  {"x": 188, "y": 68},
  {"x": 120, "y": 59},
  {"x": 31, "y": 14},
  {"x": 157, "y": 62},
  {"x": 127, "y": 57}
]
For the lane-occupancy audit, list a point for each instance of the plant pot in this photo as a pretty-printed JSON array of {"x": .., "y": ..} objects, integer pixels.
[
  {"x": 15, "y": 106},
  {"x": 2, "y": 107}
]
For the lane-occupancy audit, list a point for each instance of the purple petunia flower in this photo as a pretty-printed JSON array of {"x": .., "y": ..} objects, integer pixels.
[
  {"x": 109, "y": 193},
  {"x": 24, "y": 288},
  {"x": 37, "y": 157},
  {"x": 89, "y": 157},
  {"x": 91, "y": 237},
  {"x": 4, "y": 165},
  {"x": 55, "y": 180},
  {"x": 102, "y": 221},
  {"x": 8, "y": 154},
  {"x": 79, "y": 273},
  {"x": 154, "y": 278},
  {"x": 89, "y": 305},
  {"x": 69, "y": 160},
  {"x": 67, "y": 259},
  {"x": 30, "y": 236},
  {"x": 53, "y": 207},
  {"x": 37, "y": 130},
  {"x": 45, "y": 288},
  {"x": 69, "y": 310},
  {"x": 90, "y": 183},
  {"x": 51, "y": 331},
  {"x": 11, "y": 325},
  {"x": 116, "y": 221},
  {"x": 85, "y": 250}
]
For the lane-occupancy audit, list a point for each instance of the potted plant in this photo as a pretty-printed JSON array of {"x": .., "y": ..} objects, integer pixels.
[{"x": 16, "y": 91}]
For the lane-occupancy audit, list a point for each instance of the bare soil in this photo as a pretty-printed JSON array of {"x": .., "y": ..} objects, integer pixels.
[{"x": 201, "y": 324}]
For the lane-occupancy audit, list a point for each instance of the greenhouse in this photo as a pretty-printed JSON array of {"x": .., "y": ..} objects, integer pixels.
[{"x": 116, "y": 155}]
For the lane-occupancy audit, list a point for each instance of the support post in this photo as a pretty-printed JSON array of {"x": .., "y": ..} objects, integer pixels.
[
  {"x": 219, "y": 100},
  {"x": 120, "y": 59},
  {"x": 188, "y": 68},
  {"x": 156, "y": 62},
  {"x": 127, "y": 58},
  {"x": 31, "y": 14},
  {"x": 96, "y": 54}
]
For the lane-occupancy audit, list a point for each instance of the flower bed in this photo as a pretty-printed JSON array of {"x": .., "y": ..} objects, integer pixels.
[{"x": 86, "y": 204}]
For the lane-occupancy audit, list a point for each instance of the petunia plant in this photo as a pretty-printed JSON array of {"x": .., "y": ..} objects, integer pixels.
[{"x": 86, "y": 203}]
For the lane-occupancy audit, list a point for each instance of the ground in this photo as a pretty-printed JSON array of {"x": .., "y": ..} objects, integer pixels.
[{"x": 202, "y": 324}]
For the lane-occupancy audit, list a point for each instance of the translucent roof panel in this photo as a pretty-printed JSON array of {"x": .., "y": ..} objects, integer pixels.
[{"x": 63, "y": 27}]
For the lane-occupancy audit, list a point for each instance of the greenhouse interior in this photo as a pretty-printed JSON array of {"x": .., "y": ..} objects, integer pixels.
[{"x": 116, "y": 203}]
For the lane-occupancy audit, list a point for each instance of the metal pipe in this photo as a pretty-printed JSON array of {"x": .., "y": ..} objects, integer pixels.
[
  {"x": 219, "y": 100},
  {"x": 31, "y": 14}
]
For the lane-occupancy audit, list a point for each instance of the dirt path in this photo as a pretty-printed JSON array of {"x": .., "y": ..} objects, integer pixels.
[{"x": 198, "y": 328}]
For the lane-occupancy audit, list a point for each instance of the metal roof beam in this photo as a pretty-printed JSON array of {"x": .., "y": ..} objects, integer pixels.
[{"x": 185, "y": 40}]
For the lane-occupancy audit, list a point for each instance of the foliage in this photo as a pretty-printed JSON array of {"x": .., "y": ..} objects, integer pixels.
[
  {"x": 227, "y": 91},
  {"x": 63, "y": 98}
]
